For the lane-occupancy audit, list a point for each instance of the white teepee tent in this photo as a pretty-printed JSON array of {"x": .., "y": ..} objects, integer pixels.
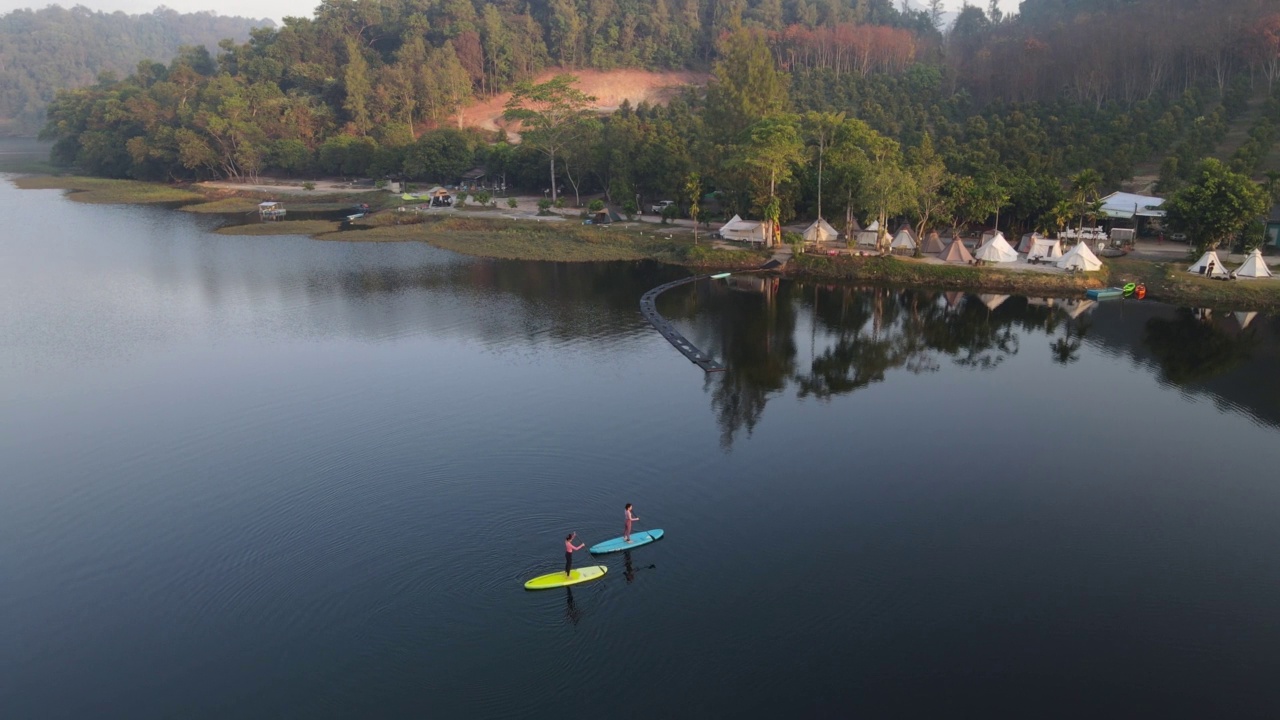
[
  {"x": 1044, "y": 249},
  {"x": 1254, "y": 266},
  {"x": 1080, "y": 257},
  {"x": 903, "y": 241},
  {"x": 996, "y": 249},
  {"x": 1209, "y": 265}
]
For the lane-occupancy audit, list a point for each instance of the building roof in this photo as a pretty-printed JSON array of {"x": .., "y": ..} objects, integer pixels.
[{"x": 1126, "y": 205}]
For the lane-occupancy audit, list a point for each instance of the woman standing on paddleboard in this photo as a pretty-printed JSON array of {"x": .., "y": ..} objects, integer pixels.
[
  {"x": 569, "y": 547},
  {"x": 626, "y": 524}
]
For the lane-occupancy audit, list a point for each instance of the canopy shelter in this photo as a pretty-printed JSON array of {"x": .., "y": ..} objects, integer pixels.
[
  {"x": 865, "y": 237},
  {"x": 1210, "y": 265},
  {"x": 904, "y": 241},
  {"x": 820, "y": 231},
  {"x": 996, "y": 249},
  {"x": 1254, "y": 266},
  {"x": 1080, "y": 258},
  {"x": 932, "y": 243},
  {"x": 271, "y": 209},
  {"x": 1044, "y": 249},
  {"x": 1024, "y": 246},
  {"x": 749, "y": 231},
  {"x": 956, "y": 252},
  {"x": 1128, "y": 206}
]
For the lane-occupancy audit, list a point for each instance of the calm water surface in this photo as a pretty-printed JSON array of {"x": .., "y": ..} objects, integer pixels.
[{"x": 274, "y": 477}]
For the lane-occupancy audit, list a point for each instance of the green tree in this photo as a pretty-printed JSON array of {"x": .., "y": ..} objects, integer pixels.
[
  {"x": 693, "y": 191},
  {"x": 551, "y": 114},
  {"x": 821, "y": 128},
  {"x": 929, "y": 176},
  {"x": 358, "y": 88},
  {"x": 769, "y": 156},
  {"x": 1215, "y": 205},
  {"x": 746, "y": 86}
]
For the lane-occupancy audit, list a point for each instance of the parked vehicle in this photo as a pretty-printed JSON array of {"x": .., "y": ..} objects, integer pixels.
[{"x": 661, "y": 205}]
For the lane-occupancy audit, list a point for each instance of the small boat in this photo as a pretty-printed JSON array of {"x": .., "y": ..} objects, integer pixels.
[
  {"x": 356, "y": 216},
  {"x": 1129, "y": 288},
  {"x": 1104, "y": 293},
  {"x": 1140, "y": 291}
]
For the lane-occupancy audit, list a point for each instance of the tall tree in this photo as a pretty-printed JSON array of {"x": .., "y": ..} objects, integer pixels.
[
  {"x": 821, "y": 128},
  {"x": 746, "y": 86},
  {"x": 551, "y": 114},
  {"x": 929, "y": 176},
  {"x": 1216, "y": 205},
  {"x": 771, "y": 152}
]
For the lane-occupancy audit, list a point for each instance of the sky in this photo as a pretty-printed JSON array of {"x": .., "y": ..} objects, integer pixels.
[{"x": 277, "y": 9}]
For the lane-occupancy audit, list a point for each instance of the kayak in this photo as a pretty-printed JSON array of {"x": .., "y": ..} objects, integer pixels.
[
  {"x": 638, "y": 538},
  {"x": 559, "y": 579},
  {"x": 1129, "y": 288}
]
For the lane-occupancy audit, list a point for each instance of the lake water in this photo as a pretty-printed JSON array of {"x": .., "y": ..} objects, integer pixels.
[{"x": 264, "y": 477}]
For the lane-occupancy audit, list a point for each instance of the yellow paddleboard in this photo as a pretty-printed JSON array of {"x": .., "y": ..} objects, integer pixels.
[{"x": 559, "y": 579}]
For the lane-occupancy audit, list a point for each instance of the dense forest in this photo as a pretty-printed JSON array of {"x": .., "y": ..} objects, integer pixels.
[
  {"x": 851, "y": 107},
  {"x": 43, "y": 51}
]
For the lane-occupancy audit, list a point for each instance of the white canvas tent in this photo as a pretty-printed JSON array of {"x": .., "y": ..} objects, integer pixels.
[
  {"x": 820, "y": 231},
  {"x": 874, "y": 226},
  {"x": 865, "y": 237},
  {"x": 1081, "y": 258},
  {"x": 744, "y": 231},
  {"x": 1044, "y": 248},
  {"x": 1210, "y": 265},
  {"x": 905, "y": 240},
  {"x": 1254, "y": 266},
  {"x": 996, "y": 249}
]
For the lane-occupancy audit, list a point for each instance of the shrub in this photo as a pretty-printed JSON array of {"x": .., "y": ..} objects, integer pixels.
[
  {"x": 630, "y": 209},
  {"x": 560, "y": 203},
  {"x": 670, "y": 212},
  {"x": 596, "y": 205},
  {"x": 308, "y": 185},
  {"x": 544, "y": 207},
  {"x": 482, "y": 197},
  {"x": 512, "y": 203}
]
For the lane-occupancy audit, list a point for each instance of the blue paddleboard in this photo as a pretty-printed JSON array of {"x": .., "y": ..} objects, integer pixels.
[{"x": 638, "y": 538}]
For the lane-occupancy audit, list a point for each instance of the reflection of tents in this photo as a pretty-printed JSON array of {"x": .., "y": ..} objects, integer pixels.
[
  {"x": 1254, "y": 266},
  {"x": 1076, "y": 308},
  {"x": 820, "y": 231},
  {"x": 993, "y": 301},
  {"x": 932, "y": 243},
  {"x": 1244, "y": 318},
  {"x": 1024, "y": 246},
  {"x": 905, "y": 240},
  {"x": 1044, "y": 248},
  {"x": 1209, "y": 265},
  {"x": 996, "y": 249},
  {"x": 743, "y": 230},
  {"x": 1080, "y": 257},
  {"x": 956, "y": 252},
  {"x": 953, "y": 298}
]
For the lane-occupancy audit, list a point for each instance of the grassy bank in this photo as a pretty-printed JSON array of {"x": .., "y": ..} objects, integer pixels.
[
  {"x": 1171, "y": 283},
  {"x": 894, "y": 271},
  {"x": 313, "y": 228},
  {"x": 106, "y": 190}
]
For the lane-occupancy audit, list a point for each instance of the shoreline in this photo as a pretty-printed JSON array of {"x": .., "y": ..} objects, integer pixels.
[{"x": 511, "y": 235}]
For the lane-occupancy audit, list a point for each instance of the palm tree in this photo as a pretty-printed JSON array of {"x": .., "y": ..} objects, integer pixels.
[{"x": 1062, "y": 213}]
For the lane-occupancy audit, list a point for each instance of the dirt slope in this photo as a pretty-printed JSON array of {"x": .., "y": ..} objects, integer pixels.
[{"x": 610, "y": 88}]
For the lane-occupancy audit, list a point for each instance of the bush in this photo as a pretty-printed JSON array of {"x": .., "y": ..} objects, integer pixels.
[
  {"x": 596, "y": 205},
  {"x": 308, "y": 185},
  {"x": 670, "y": 212},
  {"x": 482, "y": 197},
  {"x": 544, "y": 207},
  {"x": 512, "y": 203},
  {"x": 630, "y": 209},
  {"x": 560, "y": 203}
]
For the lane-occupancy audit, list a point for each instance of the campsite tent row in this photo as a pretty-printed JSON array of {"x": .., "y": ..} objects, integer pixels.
[{"x": 1210, "y": 265}]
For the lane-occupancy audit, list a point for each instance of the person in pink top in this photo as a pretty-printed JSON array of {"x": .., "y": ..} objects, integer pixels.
[
  {"x": 626, "y": 524},
  {"x": 569, "y": 547}
]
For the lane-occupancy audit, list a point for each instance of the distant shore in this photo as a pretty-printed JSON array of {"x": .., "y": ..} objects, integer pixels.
[{"x": 520, "y": 234}]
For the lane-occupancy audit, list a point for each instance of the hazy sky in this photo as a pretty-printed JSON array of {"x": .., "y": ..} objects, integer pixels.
[{"x": 276, "y": 9}]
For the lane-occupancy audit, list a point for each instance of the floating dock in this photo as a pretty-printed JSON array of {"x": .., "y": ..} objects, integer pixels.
[{"x": 649, "y": 309}]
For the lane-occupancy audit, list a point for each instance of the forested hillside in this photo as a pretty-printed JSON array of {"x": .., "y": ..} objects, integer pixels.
[
  {"x": 43, "y": 51},
  {"x": 989, "y": 118}
]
